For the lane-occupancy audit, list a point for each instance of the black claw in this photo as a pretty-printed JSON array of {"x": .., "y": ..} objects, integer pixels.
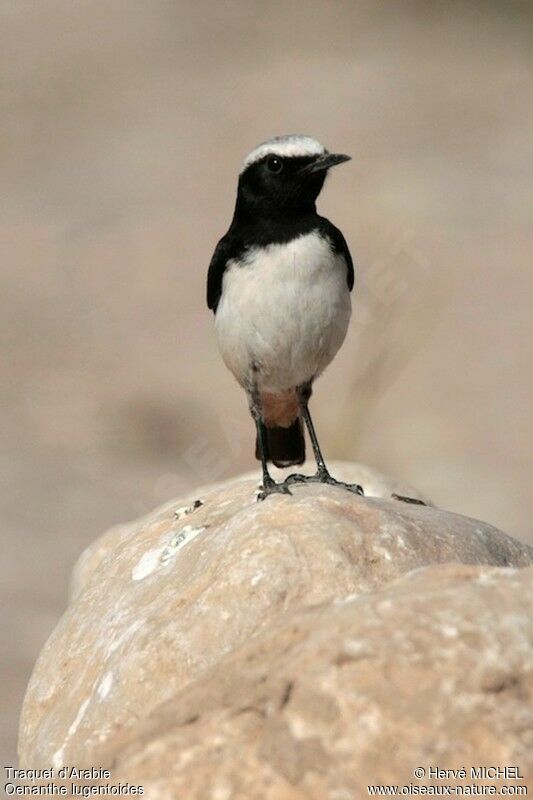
[
  {"x": 272, "y": 488},
  {"x": 353, "y": 487},
  {"x": 350, "y": 487},
  {"x": 296, "y": 477},
  {"x": 324, "y": 477}
]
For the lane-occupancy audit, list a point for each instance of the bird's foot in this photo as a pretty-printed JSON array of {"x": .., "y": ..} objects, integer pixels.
[
  {"x": 296, "y": 477},
  {"x": 271, "y": 487},
  {"x": 403, "y": 499},
  {"x": 323, "y": 476}
]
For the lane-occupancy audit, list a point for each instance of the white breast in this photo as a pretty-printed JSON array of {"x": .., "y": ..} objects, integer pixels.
[{"x": 285, "y": 309}]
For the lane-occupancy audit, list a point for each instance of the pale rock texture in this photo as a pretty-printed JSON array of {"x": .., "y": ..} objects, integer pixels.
[
  {"x": 436, "y": 669},
  {"x": 294, "y": 648},
  {"x": 375, "y": 485}
]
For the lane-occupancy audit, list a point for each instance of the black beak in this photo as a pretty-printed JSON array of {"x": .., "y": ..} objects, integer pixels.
[{"x": 324, "y": 162}]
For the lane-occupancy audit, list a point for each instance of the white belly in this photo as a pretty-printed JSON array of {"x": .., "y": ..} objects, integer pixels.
[{"x": 286, "y": 311}]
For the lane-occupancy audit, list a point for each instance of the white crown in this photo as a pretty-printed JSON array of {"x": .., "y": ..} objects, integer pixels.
[{"x": 292, "y": 145}]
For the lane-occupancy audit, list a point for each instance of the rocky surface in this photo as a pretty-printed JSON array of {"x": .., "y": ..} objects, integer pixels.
[
  {"x": 437, "y": 669},
  {"x": 233, "y": 498},
  {"x": 244, "y": 649}
]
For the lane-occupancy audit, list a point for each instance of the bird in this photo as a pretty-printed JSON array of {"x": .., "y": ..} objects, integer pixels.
[{"x": 279, "y": 284}]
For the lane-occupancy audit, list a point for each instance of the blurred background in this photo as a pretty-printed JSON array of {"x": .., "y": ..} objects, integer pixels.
[{"x": 122, "y": 127}]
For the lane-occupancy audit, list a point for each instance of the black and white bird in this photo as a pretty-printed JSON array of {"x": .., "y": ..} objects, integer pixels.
[{"x": 279, "y": 284}]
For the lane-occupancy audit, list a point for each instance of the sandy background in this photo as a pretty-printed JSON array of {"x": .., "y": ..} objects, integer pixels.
[{"x": 122, "y": 128}]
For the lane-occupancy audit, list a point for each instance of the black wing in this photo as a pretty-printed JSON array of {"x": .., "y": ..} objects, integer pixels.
[
  {"x": 224, "y": 251},
  {"x": 340, "y": 246}
]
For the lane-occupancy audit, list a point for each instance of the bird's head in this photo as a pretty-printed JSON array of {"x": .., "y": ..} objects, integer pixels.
[{"x": 284, "y": 175}]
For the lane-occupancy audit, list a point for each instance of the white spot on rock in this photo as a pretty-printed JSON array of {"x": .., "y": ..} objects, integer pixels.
[
  {"x": 449, "y": 631},
  {"x": 57, "y": 758},
  {"x": 355, "y": 648},
  {"x": 147, "y": 564},
  {"x": 371, "y": 720},
  {"x": 186, "y": 510},
  {"x": 348, "y": 599},
  {"x": 127, "y": 634},
  {"x": 78, "y": 718},
  {"x": 181, "y": 538},
  {"x": 257, "y": 577},
  {"x": 383, "y": 552},
  {"x": 105, "y": 685}
]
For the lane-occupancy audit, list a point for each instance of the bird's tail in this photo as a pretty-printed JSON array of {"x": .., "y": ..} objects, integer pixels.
[{"x": 285, "y": 446}]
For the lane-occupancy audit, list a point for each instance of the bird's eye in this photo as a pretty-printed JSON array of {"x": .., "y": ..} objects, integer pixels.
[{"x": 275, "y": 164}]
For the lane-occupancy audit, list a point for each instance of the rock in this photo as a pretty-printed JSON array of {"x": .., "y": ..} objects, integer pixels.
[
  {"x": 167, "y": 606},
  {"x": 375, "y": 485},
  {"x": 436, "y": 669}
]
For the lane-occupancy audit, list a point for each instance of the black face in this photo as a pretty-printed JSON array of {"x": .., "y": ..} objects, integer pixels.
[{"x": 277, "y": 185}]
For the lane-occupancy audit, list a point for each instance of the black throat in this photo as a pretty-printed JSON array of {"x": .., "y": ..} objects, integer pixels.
[
  {"x": 260, "y": 224},
  {"x": 262, "y": 230}
]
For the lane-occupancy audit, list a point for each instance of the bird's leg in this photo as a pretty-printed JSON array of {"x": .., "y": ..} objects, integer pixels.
[
  {"x": 322, "y": 474},
  {"x": 269, "y": 484},
  {"x": 304, "y": 395}
]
